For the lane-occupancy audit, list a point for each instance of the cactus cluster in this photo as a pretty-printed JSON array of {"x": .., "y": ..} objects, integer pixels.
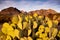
[{"x": 30, "y": 27}]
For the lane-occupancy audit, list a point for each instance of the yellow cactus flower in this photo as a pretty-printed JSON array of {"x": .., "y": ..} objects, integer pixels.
[
  {"x": 6, "y": 28},
  {"x": 49, "y": 23},
  {"x": 34, "y": 24},
  {"x": 29, "y": 32},
  {"x": 19, "y": 25},
  {"x": 55, "y": 22},
  {"x": 54, "y": 33},
  {"x": 20, "y": 18},
  {"x": 5, "y": 24},
  {"x": 25, "y": 25},
  {"x": 29, "y": 38},
  {"x": 47, "y": 29},
  {"x": 46, "y": 18},
  {"x": 13, "y": 25},
  {"x": 35, "y": 15},
  {"x": 44, "y": 34},
  {"x": 16, "y": 32},
  {"x": 41, "y": 27},
  {"x": 41, "y": 35},
  {"x": 8, "y": 37},
  {"x": 41, "y": 30},
  {"x": 37, "y": 33},
  {"x": 10, "y": 28},
  {"x": 30, "y": 17},
  {"x": 26, "y": 18},
  {"x": 14, "y": 19},
  {"x": 11, "y": 33},
  {"x": 58, "y": 34},
  {"x": 40, "y": 17},
  {"x": 54, "y": 17}
]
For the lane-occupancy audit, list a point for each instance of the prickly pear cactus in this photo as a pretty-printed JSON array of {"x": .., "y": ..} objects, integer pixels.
[{"x": 30, "y": 27}]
